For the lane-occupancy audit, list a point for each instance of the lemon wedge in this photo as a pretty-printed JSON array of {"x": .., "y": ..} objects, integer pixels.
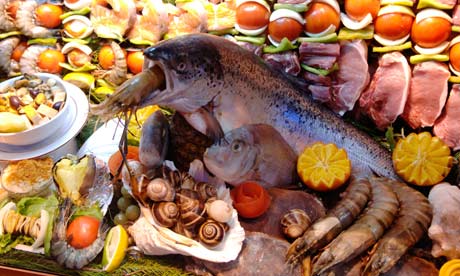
[{"x": 115, "y": 247}]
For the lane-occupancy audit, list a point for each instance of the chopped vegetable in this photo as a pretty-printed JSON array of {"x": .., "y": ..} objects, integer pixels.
[
  {"x": 323, "y": 39},
  {"x": 284, "y": 45},
  {"x": 386, "y": 49},
  {"x": 293, "y": 7},
  {"x": 250, "y": 199},
  {"x": 421, "y": 58},
  {"x": 257, "y": 40},
  {"x": 433, "y": 4},
  {"x": 347, "y": 34},
  {"x": 323, "y": 167},
  {"x": 421, "y": 159}
]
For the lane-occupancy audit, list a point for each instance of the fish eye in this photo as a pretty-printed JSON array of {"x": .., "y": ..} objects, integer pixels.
[
  {"x": 236, "y": 146},
  {"x": 181, "y": 66}
]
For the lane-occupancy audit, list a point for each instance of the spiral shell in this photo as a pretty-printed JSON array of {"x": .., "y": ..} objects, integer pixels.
[
  {"x": 205, "y": 190},
  {"x": 160, "y": 190},
  {"x": 165, "y": 213},
  {"x": 295, "y": 222},
  {"x": 211, "y": 232},
  {"x": 219, "y": 210},
  {"x": 192, "y": 211}
]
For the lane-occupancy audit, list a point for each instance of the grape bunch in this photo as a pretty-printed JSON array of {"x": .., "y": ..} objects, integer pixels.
[{"x": 129, "y": 210}]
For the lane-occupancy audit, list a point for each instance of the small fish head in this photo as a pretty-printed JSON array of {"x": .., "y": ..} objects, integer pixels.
[
  {"x": 192, "y": 69},
  {"x": 233, "y": 157}
]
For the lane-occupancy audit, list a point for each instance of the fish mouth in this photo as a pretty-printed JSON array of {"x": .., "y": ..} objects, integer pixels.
[{"x": 158, "y": 94}]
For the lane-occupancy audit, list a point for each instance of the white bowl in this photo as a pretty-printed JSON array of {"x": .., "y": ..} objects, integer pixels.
[{"x": 41, "y": 132}]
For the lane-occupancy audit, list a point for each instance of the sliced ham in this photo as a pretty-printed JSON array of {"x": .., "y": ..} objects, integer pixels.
[
  {"x": 386, "y": 96},
  {"x": 317, "y": 79},
  {"x": 456, "y": 15},
  {"x": 319, "y": 49},
  {"x": 322, "y": 62},
  {"x": 287, "y": 61},
  {"x": 322, "y": 94},
  {"x": 428, "y": 94},
  {"x": 352, "y": 77},
  {"x": 447, "y": 127}
]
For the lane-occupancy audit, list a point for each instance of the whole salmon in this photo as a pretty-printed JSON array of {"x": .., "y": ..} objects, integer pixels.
[{"x": 219, "y": 86}]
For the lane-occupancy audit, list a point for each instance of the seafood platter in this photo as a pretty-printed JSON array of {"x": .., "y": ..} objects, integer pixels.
[{"x": 233, "y": 137}]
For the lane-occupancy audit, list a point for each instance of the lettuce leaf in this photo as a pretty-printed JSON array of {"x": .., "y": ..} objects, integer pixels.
[
  {"x": 8, "y": 242},
  {"x": 93, "y": 211}
]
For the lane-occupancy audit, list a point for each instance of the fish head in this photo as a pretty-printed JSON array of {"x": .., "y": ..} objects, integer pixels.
[
  {"x": 192, "y": 69},
  {"x": 232, "y": 158}
]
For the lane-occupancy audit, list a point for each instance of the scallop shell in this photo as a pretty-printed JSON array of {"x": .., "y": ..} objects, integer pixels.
[{"x": 295, "y": 222}]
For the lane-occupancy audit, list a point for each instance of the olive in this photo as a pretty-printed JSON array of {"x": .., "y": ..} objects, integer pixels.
[
  {"x": 34, "y": 92},
  {"x": 58, "y": 105},
  {"x": 15, "y": 102}
]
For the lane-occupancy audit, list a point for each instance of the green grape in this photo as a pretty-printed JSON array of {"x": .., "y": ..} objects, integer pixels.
[
  {"x": 133, "y": 212},
  {"x": 120, "y": 218},
  {"x": 123, "y": 203},
  {"x": 125, "y": 193}
]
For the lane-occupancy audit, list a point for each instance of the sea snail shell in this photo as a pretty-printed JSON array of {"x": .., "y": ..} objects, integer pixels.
[
  {"x": 211, "y": 232},
  {"x": 294, "y": 223},
  {"x": 205, "y": 190},
  {"x": 219, "y": 210},
  {"x": 160, "y": 190},
  {"x": 192, "y": 210},
  {"x": 165, "y": 213}
]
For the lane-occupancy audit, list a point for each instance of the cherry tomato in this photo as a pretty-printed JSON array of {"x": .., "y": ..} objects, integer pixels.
[
  {"x": 49, "y": 60},
  {"x": 82, "y": 231},
  {"x": 116, "y": 159},
  {"x": 252, "y": 16},
  {"x": 18, "y": 51},
  {"x": 135, "y": 61},
  {"x": 77, "y": 58},
  {"x": 48, "y": 15},
  {"x": 393, "y": 25},
  {"x": 454, "y": 56},
  {"x": 319, "y": 17},
  {"x": 13, "y": 8},
  {"x": 250, "y": 199},
  {"x": 284, "y": 27},
  {"x": 358, "y": 9},
  {"x": 431, "y": 32}
]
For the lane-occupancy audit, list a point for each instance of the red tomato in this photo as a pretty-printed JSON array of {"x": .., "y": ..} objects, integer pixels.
[
  {"x": 454, "y": 56},
  {"x": 49, "y": 60},
  {"x": 319, "y": 17},
  {"x": 252, "y": 16},
  {"x": 430, "y": 32},
  {"x": 393, "y": 25},
  {"x": 116, "y": 159},
  {"x": 82, "y": 231},
  {"x": 284, "y": 27},
  {"x": 358, "y": 9},
  {"x": 48, "y": 15},
  {"x": 250, "y": 199}
]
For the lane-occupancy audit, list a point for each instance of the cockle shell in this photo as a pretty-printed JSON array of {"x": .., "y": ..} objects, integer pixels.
[
  {"x": 295, "y": 222},
  {"x": 160, "y": 189}
]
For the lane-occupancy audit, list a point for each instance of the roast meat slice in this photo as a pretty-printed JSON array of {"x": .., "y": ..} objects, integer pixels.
[
  {"x": 287, "y": 61},
  {"x": 456, "y": 15},
  {"x": 352, "y": 77},
  {"x": 447, "y": 127},
  {"x": 386, "y": 96},
  {"x": 319, "y": 49},
  {"x": 428, "y": 94}
]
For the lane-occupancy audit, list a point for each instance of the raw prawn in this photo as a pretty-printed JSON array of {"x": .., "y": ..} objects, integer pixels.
[
  {"x": 412, "y": 223},
  {"x": 364, "y": 232},
  {"x": 337, "y": 219},
  {"x": 7, "y": 46},
  {"x": 25, "y": 21},
  {"x": 64, "y": 253},
  {"x": 187, "y": 18},
  {"x": 113, "y": 23},
  {"x": 118, "y": 73},
  {"x": 29, "y": 59},
  {"x": 6, "y": 22},
  {"x": 151, "y": 25}
]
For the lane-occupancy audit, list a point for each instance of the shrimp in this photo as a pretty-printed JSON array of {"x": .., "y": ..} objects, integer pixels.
[
  {"x": 119, "y": 71},
  {"x": 412, "y": 223},
  {"x": 187, "y": 18},
  {"x": 64, "y": 253},
  {"x": 113, "y": 23},
  {"x": 339, "y": 218},
  {"x": 7, "y": 46},
  {"x": 29, "y": 59},
  {"x": 151, "y": 25},
  {"x": 364, "y": 232},
  {"x": 26, "y": 23},
  {"x": 6, "y": 22}
]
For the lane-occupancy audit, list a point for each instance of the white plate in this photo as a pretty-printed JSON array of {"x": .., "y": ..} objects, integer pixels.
[{"x": 78, "y": 113}]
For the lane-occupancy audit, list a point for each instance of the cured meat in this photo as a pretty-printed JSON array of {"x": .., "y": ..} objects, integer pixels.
[
  {"x": 445, "y": 226},
  {"x": 386, "y": 96},
  {"x": 261, "y": 255},
  {"x": 352, "y": 76},
  {"x": 428, "y": 94},
  {"x": 447, "y": 126},
  {"x": 320, "y": 93},
  {"x": 283, "y": 200},
  {"x": 456, "y": 15},
  {"x": 286, "y": 61},
  {"x": 319, "y": 49},
  {"x": 317, "y": 79},
  {"x": 322, "y": 62}
]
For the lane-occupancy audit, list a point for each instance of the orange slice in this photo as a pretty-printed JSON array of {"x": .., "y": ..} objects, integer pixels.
[
  {"x": 323, "y": 167},
  {"x": 422, "y": 159}
]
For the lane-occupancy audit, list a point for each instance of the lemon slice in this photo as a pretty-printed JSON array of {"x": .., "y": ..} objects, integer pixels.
[
  {"x": 421, "y": 159},
  {"x": 323, "y": 167},
  {"x": 115, "y": 247}
]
